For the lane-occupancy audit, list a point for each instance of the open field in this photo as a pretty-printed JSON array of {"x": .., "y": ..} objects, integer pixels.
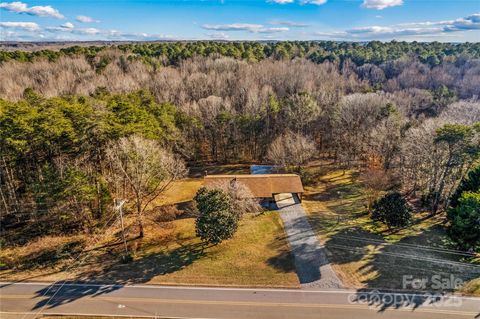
[{"x": 367, "y": 254}]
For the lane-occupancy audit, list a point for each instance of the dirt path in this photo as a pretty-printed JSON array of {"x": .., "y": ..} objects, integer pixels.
[{"x": 313, "y": 268}]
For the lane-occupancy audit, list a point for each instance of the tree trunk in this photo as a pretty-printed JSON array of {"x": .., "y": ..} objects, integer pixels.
[
  {"x": 438, "y": 193},
  {"x": 140, "y": 217},
  {"x": 140, "y": 226}
]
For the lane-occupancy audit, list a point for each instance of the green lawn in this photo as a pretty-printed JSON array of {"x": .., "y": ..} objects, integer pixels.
[{"x": 367, "y": 254}]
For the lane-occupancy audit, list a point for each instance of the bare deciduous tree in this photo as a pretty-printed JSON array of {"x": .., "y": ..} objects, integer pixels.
[
  {"x": 291, "y": 149},
  {"x": 434, "y": 157},
  {"x": 376, "y": 181},
  {"x": 241, "y": 195},
  {"x": 145, "y": 169},
  {"x": 356, "y": 116}
]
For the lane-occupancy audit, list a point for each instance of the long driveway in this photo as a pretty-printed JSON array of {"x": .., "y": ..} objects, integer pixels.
[
  {"x": 31, "y": 300},
  {"x": 313, "y": 268}
]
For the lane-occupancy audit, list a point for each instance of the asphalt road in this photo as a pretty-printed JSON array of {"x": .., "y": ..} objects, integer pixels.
[{"x": 29, "y": 300}]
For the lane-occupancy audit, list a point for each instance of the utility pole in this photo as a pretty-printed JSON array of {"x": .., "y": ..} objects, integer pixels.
[{"x": 118, "y": 206}]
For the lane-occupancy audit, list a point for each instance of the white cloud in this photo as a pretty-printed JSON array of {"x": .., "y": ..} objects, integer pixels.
[
  {"x": 471, "y": 22},
  {"x": 416, "y": 29},
  {"x": 90, "y": 31},
  {"x": 232, "y": 27},
  {"x": 40, "y": 11},
  {"x": 68, "y": 25},
  {"x": 381, "y": 4},
  {"x": 316, "y": 2},
  {"x": 118, "y": 35},
  {"x": 219, "y": 36},
  {"x": 85, "y": 19},
  {"x": 271, "y": 30},
  {"x": 27, "y": 26},
  {"x": 290, "y": 24},
  {"x": 253, "y": 28},
  {"x": 373, "y": 31},
  {"x": 72, "y": 29},
  {"x": 18, "y": 36},
  {"x": 68, "y": 32}
]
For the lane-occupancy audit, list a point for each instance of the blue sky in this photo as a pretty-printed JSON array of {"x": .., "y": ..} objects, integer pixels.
[{"x": 352, "y": 20}]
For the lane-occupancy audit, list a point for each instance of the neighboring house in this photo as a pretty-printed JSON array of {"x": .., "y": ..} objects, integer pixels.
[{"x": 262, "y": 186}]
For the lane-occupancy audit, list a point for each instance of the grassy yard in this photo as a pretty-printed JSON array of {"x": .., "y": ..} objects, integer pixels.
[
  {"x": 258, "y": 255},
  {"x": 367, "y": 254},
  {"x": 180, "y": 191},
  {"x": 170, "y": 253}
]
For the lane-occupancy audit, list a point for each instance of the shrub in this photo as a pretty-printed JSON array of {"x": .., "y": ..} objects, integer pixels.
[
  {"x": 470, "y": 183},
  {"x": 241, "y": 198},
  {"x": 218, "y": 220},
  {"x": 166, "y": 213},
  {"x": 464, "y": 220},
  {"x": 392, "y": 209}
]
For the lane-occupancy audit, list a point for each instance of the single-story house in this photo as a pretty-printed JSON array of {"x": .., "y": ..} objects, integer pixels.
[{"x": 262, "y": 186}]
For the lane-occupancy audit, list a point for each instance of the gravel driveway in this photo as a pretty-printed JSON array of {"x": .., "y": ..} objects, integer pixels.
[{"x": 313, "y": 268}]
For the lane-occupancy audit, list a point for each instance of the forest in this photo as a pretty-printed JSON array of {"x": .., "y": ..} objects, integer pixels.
[{"x": 410, "y": 111}]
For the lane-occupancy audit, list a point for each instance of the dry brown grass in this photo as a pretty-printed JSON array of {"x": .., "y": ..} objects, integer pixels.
[
  {"x": 258, "y": 255},
  {"x": 472, "y": 287},
  {"x": 170, "y": 253},
  {"x": 180, "y": 191},
  {"x": 42, "y": 252},
  {"x": 368, "y": 254},
  {"x": 85, "y": 317}
]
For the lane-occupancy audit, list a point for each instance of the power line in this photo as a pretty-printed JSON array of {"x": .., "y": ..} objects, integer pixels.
[
  {"x": 69, "y": 268},
  {"x": 437, "y": 249},
  {"x": 384, "y": 253}
]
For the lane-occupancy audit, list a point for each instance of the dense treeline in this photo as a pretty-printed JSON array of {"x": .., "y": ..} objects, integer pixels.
[
  {"x": 374, "y": 52},
  {"x": 55, "y": 162},
  {"x": 61, "y": 118},
  {"x": 118, "y": 73}
]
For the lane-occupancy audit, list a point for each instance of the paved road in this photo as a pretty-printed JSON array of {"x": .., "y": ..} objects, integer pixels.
[
  {"x": 311, "y": 263},
  {"x": 29, "y": 300}
]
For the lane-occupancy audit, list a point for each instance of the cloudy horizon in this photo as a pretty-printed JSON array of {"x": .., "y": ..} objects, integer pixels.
[{"x": 344, "y": 20}]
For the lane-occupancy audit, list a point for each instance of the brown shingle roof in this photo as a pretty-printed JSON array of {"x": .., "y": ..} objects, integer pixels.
[{"x": 262, "y": 185}]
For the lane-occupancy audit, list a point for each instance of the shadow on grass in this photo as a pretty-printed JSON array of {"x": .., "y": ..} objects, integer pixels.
[
  {"x": 393, "y": 266},
  {"x": 119, "y": 275},
  {"x": 284, "y": 261},
  {"x": 361, "y": 251},
  {"x": 342, "y": 199},
  {"x": 199, "y": 171},
  {"x": 334, "y": 192},
  {"x": 47, "y": 257},
  {"x": 116, "y": 275}
]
